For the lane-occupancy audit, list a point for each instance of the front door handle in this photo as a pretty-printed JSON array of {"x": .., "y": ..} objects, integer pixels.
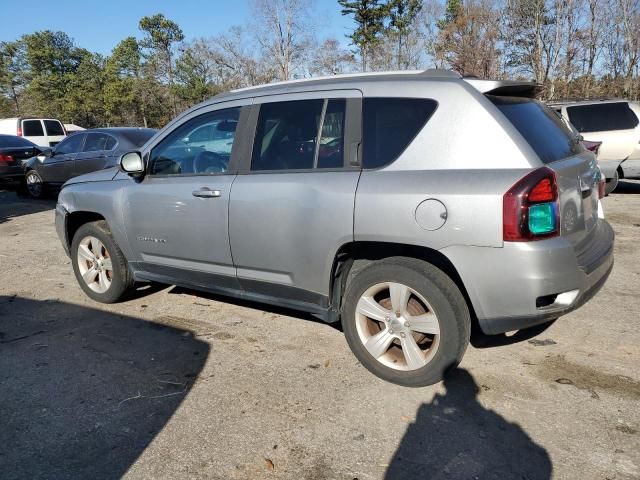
[{"x": 206, "y": 192}]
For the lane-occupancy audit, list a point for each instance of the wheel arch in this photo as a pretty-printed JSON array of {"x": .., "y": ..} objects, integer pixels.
[
  {"x": 78, "y": 218},
  {"x": 354, "y": 256}
]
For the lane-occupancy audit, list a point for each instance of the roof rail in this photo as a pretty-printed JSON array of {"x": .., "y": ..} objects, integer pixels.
[{"x": 430, "y": 73}]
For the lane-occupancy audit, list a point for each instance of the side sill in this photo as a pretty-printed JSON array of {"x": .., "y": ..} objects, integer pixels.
[{"x": 320, "y": 312}]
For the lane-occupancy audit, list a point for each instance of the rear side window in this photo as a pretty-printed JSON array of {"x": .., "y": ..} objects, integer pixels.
[
  {"x": 53, "y": 127},
  {"x": 540, "y": 126},
  {"x": 95, "y": 142},
  {"x": 390, "y": 125},
  {"x": 601, "y": 117},
  {"x": 32, "y": 128},
  {"x": 111, "y": 143},
  {"x": 289, "y": 135}
]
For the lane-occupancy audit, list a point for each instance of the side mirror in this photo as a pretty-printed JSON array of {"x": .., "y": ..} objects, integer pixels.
[
  {"x": 46, "y": 153},
  {"x": 132, "y": 163}
]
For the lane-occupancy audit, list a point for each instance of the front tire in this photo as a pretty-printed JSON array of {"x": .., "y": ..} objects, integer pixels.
[
  {"x": 406, "y": 321},
  {"x": 98, "y": 263},
  {"x": 34, "y": 184}
]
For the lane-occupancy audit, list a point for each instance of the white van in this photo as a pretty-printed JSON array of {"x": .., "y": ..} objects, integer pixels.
[
  {"x": 45, "y": 132},
  {"x": 615, "y": 123}
]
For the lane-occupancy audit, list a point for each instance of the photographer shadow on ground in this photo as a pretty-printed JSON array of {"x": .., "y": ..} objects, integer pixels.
[
  {"x": 455, "y": 437},
  {"x": 83, "y": 392}
]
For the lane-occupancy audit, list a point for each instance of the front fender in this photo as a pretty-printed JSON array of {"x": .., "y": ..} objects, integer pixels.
[{"x": 95, "y": 199}]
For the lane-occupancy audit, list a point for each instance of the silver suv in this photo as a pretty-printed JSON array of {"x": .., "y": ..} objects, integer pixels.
[{"x": 406, "y": 205}]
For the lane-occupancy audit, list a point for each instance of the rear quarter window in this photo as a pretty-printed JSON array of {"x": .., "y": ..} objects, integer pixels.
[
  {"x": 540, "y": 126},
  {"x": 602, "y": 117},
  {"x": 389, "y": 125}
]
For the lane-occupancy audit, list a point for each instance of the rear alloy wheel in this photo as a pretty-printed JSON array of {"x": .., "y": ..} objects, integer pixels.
[
  {"x": 34, "y": 184},
  {"x": 406, "y": 321},
  {"x": 98, "y": 263}
]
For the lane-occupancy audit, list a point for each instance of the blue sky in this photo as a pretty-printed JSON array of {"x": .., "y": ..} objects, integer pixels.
[{"x": 100, "y": 25}]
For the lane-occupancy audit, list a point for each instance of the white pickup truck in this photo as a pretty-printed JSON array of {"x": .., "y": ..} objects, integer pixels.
[{"x": 615, "y": 123}]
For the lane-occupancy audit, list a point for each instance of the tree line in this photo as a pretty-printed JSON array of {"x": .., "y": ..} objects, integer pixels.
[{"x": 573, "y": 48}]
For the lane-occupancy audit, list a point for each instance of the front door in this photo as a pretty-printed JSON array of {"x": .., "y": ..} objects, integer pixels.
[
  {"x": 177, "y": 216},
  {"x": 292, "y": 206},
  {"x": 58, "y": 168}
]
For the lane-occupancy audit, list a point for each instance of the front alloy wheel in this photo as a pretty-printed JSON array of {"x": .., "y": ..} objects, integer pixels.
[
  {"x": 94, "y": 263},
  {"x": 35, "y": 188}
]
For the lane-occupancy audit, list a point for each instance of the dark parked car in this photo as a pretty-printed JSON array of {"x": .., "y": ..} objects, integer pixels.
[
  {"x": 81, "y": 153},
  {"x": 13, "y": 150}
]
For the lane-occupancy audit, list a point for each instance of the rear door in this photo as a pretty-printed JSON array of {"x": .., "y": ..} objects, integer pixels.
[
  {"x": 93, "y": 155},
  {"x": 54, "y": 131},
  {"x": 292, "y": 205},
  {"x": 33, "y": 130},
  {"x": 576, "y": 169}
]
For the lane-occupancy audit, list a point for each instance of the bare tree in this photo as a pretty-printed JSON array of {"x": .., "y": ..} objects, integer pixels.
[
  {"x": 283, "y": 33},
  {"x": 330, "y": 58}
]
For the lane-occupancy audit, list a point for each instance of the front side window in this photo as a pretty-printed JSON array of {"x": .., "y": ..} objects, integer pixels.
[
  {"x": 602, "y": 117},
  {"x": 32, "y": 128},
  {"x": 201, "y": 146},
  {"x": 289, "y": 137},
  {"x": 95, "y": 142},
  {"x": 71, "y": 144},
  {"x": 389, "y": 125},
  {"x": 54, "y": 128}
]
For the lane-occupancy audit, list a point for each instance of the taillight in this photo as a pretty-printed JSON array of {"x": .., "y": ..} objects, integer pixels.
[
  {"x": 19, "y": 134},
  {"x": 601, "y": 185},
  {"x": 530, "y": 208},
  {"x": 6, "y": 159}
]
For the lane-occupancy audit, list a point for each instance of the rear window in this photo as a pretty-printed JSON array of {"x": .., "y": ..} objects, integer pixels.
[
  {"x": 138, "y": 137},
  {"x": 602, "y": 117},
  {"x": 9, "y": 141},
  {"x": 54, "y": 127},
  {"x": 540, "y": 126},
  {"x": 389, "y": 125},
  {"x": 32, "y": 128}
]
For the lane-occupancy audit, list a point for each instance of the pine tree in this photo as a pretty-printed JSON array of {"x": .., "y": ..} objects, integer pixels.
[{"x": 370, "y": 16}]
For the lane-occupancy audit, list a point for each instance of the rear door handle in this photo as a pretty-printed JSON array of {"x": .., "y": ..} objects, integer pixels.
[{"x": 206, "y": 192}]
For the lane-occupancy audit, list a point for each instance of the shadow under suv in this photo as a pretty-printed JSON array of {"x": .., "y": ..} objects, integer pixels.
[{"x": 402, "y": 204}]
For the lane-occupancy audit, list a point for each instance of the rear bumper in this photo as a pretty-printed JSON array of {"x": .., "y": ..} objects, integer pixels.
[
  {"x": 61, "y": 226},
  {"x": 11, "y": 174},
  {"x": 525, "y": 284}
]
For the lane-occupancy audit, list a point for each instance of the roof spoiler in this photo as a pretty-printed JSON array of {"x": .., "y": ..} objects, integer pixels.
[{"x": 505, "y": 88}]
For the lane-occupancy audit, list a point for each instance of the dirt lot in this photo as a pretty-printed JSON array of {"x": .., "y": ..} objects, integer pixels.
[{"x": 173, "y": 384}]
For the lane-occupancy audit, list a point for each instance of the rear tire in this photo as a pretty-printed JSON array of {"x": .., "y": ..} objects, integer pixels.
[
  {"x": 429, "y": 336},
  {"x": 611, "y": 184},
  {"x": 98, "y": 263}
]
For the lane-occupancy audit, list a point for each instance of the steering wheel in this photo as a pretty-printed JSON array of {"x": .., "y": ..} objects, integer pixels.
[{"x": 209, "y": 162}]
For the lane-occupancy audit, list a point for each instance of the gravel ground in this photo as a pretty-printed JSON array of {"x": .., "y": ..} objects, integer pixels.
[{"x": 175, "y": 384}]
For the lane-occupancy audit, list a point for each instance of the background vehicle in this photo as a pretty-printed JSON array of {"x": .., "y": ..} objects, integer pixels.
[
  {"x": 45, "y": 132},
  {"x": 81, "y": 153},
  {"x": 616, "y": 124},
  {"x": 383, "y": 230},
  {"x": 13, "y": 150}
]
